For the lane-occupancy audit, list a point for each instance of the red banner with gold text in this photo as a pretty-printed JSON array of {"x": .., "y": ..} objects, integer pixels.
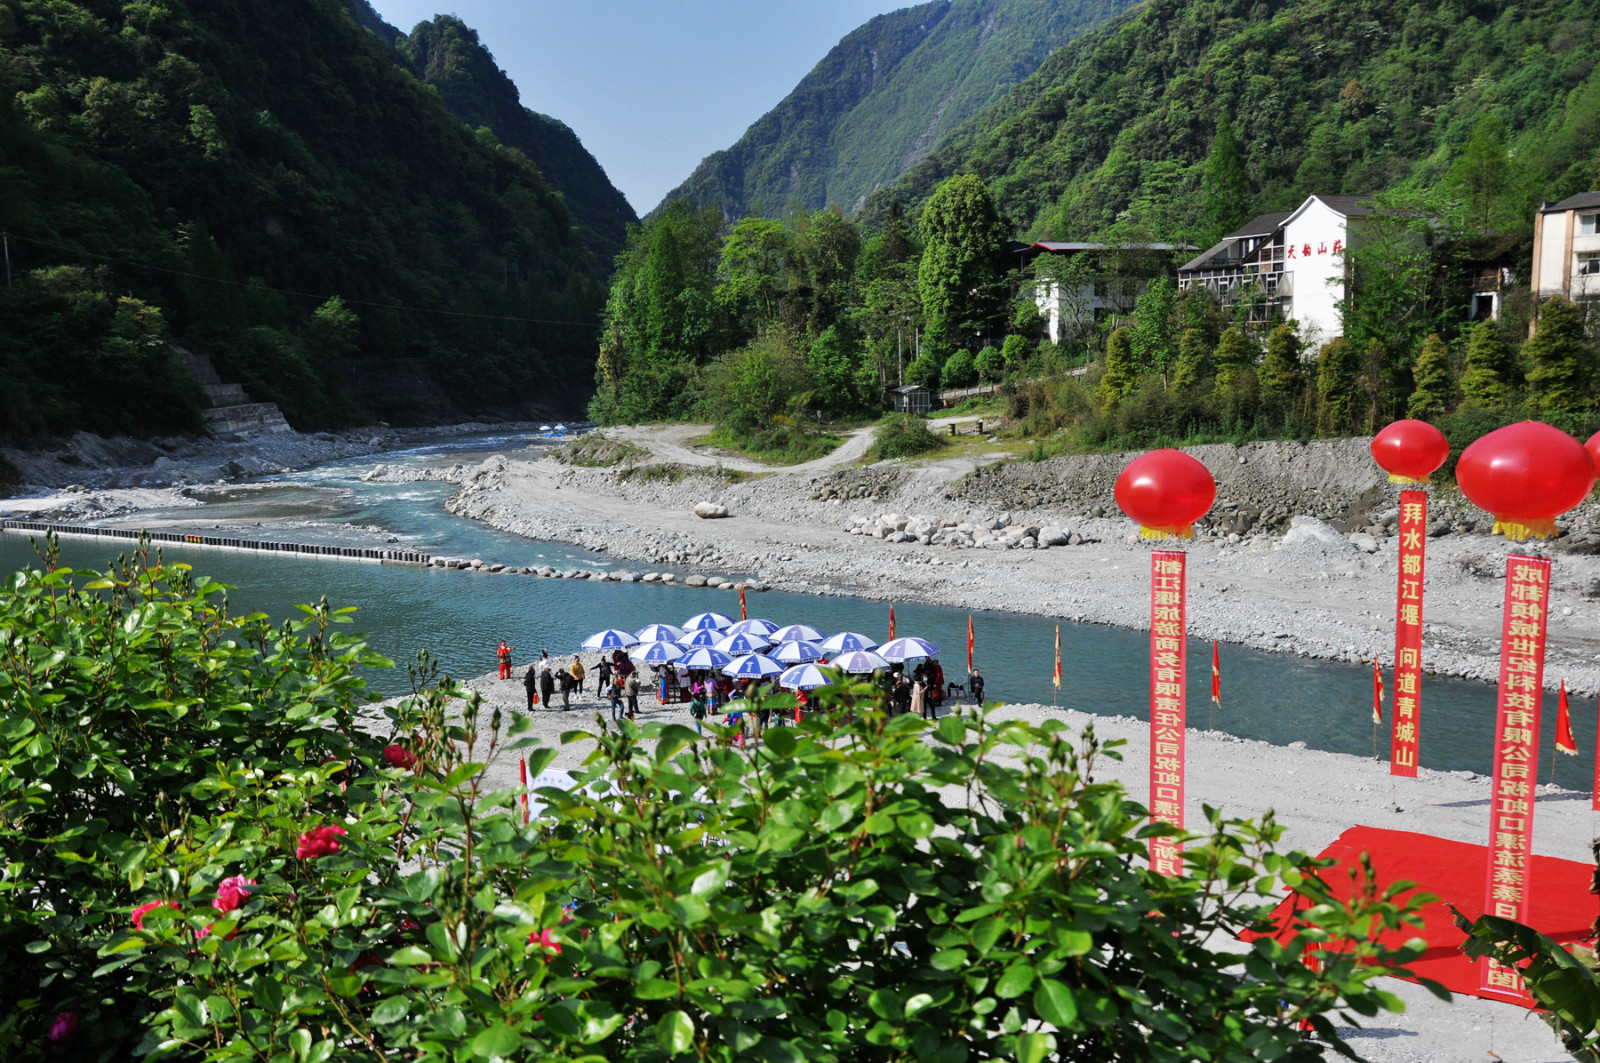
[
  {"x": 1408, "y": 634},
  {"x": 1168, "y": 684},
  {"x": 1516, "y": 747}
]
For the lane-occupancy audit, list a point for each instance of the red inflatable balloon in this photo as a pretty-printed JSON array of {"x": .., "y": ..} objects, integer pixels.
[
  {"x": 1527, "y": 475},
  {"x": 1410, "y": 451},
  {"x": 1593, "y": 447},
  {"x": 1166, "y": 491}
]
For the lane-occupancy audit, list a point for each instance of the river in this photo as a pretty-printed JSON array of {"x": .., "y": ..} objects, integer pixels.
[{"x": 460, "y": 616}]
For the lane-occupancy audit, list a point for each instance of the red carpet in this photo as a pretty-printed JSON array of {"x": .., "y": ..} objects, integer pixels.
[{"x": 1562, "y": 909}]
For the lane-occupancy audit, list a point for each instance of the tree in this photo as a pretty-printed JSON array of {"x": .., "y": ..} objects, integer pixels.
[
  {"x": 1395, "y": 293},
  {"x": 1561, "y": 365},
  {"x": 1122, "y": 373},
  {"x": 1377, "y": 380},
  {"x": 1194, "y": 360},
  {"x": 991, "y": 364},
  {"x": 1155, "y": 326},
  {"x": 1235, "y": 358},
  {"x": 751, "y": 271},
  {"x": 1283, "y": 377},
  {"x": 1490, "y": 377},
  {"x": 1483, "y": 175},
  {"x": 1434, "y": 389},
  {"x": 826, "y": 247},
  {"x": 1338, "y": 387},
  {"x": 844, "y": 382},
  {"x": 960, "y": 371},
  {"x": 1224, "y": 188},
  {"x": 924, "y": 370},
  {"x": 962, "y": 274}
]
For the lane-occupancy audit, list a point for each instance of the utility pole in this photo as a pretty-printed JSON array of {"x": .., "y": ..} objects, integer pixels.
[{"x": 5, "y": 238}]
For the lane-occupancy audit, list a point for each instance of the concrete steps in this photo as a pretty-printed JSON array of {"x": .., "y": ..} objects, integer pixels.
[{"x": 231, "y": 414}]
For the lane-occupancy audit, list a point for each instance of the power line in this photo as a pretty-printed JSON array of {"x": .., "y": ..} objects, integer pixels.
[{"x": 289, "y": 291}]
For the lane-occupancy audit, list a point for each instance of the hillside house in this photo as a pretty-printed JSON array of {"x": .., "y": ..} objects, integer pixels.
[
  {"x": 1081, "y": 284},
  {"x": 1566, "y": 248},
  {"x": 1288, "y": 265}
]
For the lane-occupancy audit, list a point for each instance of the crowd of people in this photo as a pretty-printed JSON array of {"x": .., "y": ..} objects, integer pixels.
[{"x": 921, "y": 690}]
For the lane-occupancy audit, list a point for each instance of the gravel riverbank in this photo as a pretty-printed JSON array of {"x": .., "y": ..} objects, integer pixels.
[{"x": 1324, "y": 589}]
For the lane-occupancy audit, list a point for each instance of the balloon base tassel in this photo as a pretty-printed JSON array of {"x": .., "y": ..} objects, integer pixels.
[
  {"x": 1185, "y": 531},
  {"x": 1519, "y": 528},
  {"x": 1398, "y": 478}
]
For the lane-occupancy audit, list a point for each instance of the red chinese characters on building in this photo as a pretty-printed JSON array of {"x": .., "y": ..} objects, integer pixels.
[
  {"x": 1508, "y": 887},
  {"x": 1168, "y": 705},
  {"x": 1408, "y": 634}
]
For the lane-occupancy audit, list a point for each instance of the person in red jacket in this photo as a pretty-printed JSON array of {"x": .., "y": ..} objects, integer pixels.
[{"x": 504, "y": 653}]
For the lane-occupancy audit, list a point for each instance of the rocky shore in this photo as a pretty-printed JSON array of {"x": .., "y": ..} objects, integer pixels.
[{"x": 1298, "y": 555}]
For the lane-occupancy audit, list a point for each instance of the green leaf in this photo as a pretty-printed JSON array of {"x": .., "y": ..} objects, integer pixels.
[
  {"x": 390, "y": 1009},
  {"x": 497, "y": 1040},
  {"x": 1034, "y": 1047},
  {"x": 410, "y": 956},
  {"x": 655, "y": 989},
  {"x": 1054, "y": 1003},
  {"x": 781, "y": 740},
  {"x": 675, "y": 1032},
  {"x": 1014, "y": 981}
]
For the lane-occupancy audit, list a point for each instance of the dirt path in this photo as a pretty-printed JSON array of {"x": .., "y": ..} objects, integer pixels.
[{"x": 672, "y": 443}]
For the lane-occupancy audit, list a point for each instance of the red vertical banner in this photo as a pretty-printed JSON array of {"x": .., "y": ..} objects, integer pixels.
[
  {"x": 742, "y": 614},
  {"x": 970, "y": 640},
  {"x": 1508, "y": 889},
  {"x": 891, "y": 622},
  {"x": 1168, "y": 661},
  {"x": 1408, "y": 634}
]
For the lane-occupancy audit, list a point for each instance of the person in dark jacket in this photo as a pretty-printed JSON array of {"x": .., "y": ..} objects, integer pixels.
[
  {"x": 975, "y": 687},
  {"x": 530, "y": 683},
  {"x": 547, "y": 685}
]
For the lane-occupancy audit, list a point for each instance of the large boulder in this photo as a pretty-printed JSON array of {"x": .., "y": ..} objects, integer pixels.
[
  {"x": 710, "y": 510},
  {"x": 1053, "y": 536},
  {"x": 1304, "y": 530}
]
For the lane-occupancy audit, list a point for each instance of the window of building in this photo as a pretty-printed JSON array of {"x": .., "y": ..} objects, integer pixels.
[
  {"x": 1588, "y": 224},
  {"x": 1589, "y": 263}
]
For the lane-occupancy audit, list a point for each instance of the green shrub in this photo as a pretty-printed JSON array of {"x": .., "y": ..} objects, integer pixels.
[
  {"x": 900, "y": 435},
  {"x": 991, "y": 365},
  {"x": 853, "y": 881},
  {"x": 924, "y": 371},
  {"x": 1016, "y": 350},
  {"x": 961, "y": 371}
]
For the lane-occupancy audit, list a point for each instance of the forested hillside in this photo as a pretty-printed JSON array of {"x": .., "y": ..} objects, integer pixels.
[
  {"x": 882, "y": 98},
  {"x": 447, "y": 55},
  {"x": 268, "y": 184},
  {"x": 1353, "y": 96}
]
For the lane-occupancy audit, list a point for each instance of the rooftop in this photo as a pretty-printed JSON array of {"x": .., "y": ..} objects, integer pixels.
[{"x": 1577, "y": 202}]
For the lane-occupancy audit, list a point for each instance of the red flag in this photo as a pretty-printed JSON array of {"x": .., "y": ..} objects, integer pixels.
[
  {"x": 742, "y": 615},
  {"x": 1216, "y": 675},
  {"x": 1564, "y": 740},
  {"x": 891, "y": 621},
  {"x": 969, "y": 642},
  {"x": 522, "y": 765},
  {"x": 1056, "y": 679},
  {"x": 1377, "y": 691}
]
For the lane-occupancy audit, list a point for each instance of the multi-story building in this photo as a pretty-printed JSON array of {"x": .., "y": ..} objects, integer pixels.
[
  {"x": 1089, "y": 283},
  {"x": 1566, "y": 248},
  {"x": 1288, "y": 265}
]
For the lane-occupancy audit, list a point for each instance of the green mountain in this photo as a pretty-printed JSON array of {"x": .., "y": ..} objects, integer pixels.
[
  {"x": 1324, "y": 95},
  {"x": 882, "y": 98},
  {"x": 216, "y": 173},
  {"x": 447, "y": 55}
]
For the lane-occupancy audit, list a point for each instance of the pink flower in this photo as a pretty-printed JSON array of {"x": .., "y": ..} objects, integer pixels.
[
  {"x": 64, "y": 1030},
  {"x": 231, "y": 893},
  {"x": 399, "y": 757},
  {"x": 139, "y": 912},
  {"x": 546, "y": 942},
  {"x": 319, "y": 841}
]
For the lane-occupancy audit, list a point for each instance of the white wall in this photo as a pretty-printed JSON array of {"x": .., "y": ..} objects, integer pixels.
[{"x": 1319, "y": 275}]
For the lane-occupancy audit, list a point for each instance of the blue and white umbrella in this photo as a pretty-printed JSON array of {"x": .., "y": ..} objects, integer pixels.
[
  {"x": 858, "y": 662},
  {"x": 702, "y": 659},
  {"x": 706, "y": 636},
  {"x": 660, "y": 652},
  {"x": 907, "y": 650},
  {"x": 804, "y": 677},
  {"x": 609, "y": 639},
  {"x": 797, "y": 652},
  {"x": 795, "y": 633},
  {"x": 659, "y": 633},
  {"x": 707, "y": 620},
  {"x": 752, "y": 666},
  {"x": 741, "y": 644},
  {"x": 754, "y": 626},
  {"x": 845, "y": 641}
]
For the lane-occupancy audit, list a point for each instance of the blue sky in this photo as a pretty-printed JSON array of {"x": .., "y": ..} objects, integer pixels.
[{"x": 651, "y": 86}]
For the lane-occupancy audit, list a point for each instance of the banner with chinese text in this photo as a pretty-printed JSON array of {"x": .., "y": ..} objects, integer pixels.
[
  {"x": 1168, "y": 682},
  {"x": 1408, "y": 634},
  {"x": 1516, "y": 745}
]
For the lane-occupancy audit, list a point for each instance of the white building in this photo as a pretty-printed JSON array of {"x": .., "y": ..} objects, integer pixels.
[
  {"x": 1288, "y": 265},
  {"x": 1566, "y": 248},
  {"x": 1111, "y": 279}
]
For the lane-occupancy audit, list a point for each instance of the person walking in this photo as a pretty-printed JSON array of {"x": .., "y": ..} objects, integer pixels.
[
  {"x": 530, "y": 682},
  {"x": 577, "y": 672},
  {"x": 616, "y": 696},
  {"x": 975, "y": 687},
  {"x": 547, "y": 682},
  {"x": 602, "y": 677},
  {"x": 504, "y": 653},
  {"x": 902, "y": 696},
  {"x": 697, "y": 709},
  {"x": 633, "y": 694},
  {"x": 564, "y": 677}
]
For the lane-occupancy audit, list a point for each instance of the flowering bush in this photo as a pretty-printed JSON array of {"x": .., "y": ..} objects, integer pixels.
[{"x": 855, "y": 888}]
